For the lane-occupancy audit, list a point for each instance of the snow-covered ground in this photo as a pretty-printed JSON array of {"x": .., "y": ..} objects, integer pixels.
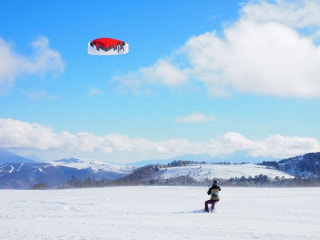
[
  {"x": 203, "y": 171},
  {"x": 160, "y": 213}
]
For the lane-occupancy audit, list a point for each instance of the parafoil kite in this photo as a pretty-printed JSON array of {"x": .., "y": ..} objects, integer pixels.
[{"x": 107, "y": 46}]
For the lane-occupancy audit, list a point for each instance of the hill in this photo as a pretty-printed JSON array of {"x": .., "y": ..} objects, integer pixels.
[
  {"x": 189, "y": 172},
  {"x": 307, "y": 165}
]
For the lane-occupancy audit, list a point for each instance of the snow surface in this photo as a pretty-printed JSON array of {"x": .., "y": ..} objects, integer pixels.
[
  {"x": 160, "y": 213},
  {"x": 203, "y": 171}
]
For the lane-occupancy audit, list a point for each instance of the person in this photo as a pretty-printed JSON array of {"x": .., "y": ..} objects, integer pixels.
[{"x": 214, "y": 192}]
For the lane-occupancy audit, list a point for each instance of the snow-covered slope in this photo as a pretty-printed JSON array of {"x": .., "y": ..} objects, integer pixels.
[
  {"x": 210, "y": 171},
  {"x": 94, "y": 165},
  {"x": 306, "y": 165}
]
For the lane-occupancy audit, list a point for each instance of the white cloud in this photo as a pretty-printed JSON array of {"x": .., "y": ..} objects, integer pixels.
[
  {"x": 316, "y": 35},
  {"x": 165, "y": 73},
  {"x": 282, "y": 146},
  {"x": 266, "y": 59},
  {"x": 39, "y": 95},
  {"x": 196, "y": 117},
  {"x": 162, "y": 73},
  {"x": 94, "y": 92},
  {"x": 263, "y": 53},
  {"x": 16, "y": 134},
  {"x": 296, "y": 14},
  {"x": 13, "y": 65}
]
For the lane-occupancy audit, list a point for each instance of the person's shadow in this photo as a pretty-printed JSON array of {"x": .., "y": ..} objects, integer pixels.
[{"x": 195, "y": 211}]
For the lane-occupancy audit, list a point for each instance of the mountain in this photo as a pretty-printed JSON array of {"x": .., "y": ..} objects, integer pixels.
[
  {"x": 95, "y": 166},
  {"x": 26, "y": 175},
  {"x": 201, "y": 172},
  {"x": 307, "y": 165},
  {"x": 236, "y": 157},
  {"x": 242, "y": 156},
  {"x": 9, "y": 157},
  {"x": 185, "y": 157},
  {"x": 34, "y": 158}
]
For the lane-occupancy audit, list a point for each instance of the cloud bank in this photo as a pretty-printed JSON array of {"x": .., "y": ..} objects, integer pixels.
[
  {"x": 196, "y": 117},
  {"x": 13, "y": 65},
  {"x": 21, "y": 135},
  {"x": 269, "y": 50},
  {"x": 295, "y": 14}
]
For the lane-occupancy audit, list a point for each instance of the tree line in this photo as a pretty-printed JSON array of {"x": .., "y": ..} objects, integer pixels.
[{"x": 256, "y": 181}]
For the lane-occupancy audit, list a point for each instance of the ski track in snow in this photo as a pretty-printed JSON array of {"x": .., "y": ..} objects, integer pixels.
[
  {"x": 12, "y": 168},
  {"x": 160, "y": 213},
  {"x": 19, "y": 168}
]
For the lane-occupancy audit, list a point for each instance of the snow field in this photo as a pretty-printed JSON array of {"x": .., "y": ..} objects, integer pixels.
[
  {"x": 160, "y": 213},
  {"x": 203, "y": 171}
]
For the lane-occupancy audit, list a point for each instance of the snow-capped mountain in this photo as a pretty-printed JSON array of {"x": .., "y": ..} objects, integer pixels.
[
  {"x": 25, "y": 175},
  {"x": 305, "y": 165},
  {"x": 94, "y": 165}
]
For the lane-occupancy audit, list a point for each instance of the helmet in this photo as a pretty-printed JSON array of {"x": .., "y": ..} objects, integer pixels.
[{"x": 215, "y": 181}]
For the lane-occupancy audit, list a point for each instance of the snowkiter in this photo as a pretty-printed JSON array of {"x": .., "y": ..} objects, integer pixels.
[{"x": 214, "y": 192}]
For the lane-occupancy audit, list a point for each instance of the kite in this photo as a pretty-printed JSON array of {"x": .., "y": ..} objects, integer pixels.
[{"x": 107, "y": 46}]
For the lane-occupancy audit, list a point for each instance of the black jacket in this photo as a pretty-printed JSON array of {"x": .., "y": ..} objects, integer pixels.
[{"x": 214, "y": 192}]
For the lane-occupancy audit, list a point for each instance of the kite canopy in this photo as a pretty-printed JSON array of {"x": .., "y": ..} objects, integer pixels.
[{"x": 107, "y": 46}]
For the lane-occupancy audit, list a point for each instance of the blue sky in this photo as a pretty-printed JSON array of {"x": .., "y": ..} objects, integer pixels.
[{"x": 212, "y": 77}]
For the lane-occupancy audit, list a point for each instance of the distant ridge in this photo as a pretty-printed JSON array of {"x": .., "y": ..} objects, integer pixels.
[
  {"x": 307, "y": 165},
  {"x": 236, "y": 157},
  {"x": 26, "y": 175},
  {"x": 185, "y": 157},
  {"x": 10, "y": 157},
  {"x": 69, "y": 160},
  {"x": 198, "y": 172}
]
